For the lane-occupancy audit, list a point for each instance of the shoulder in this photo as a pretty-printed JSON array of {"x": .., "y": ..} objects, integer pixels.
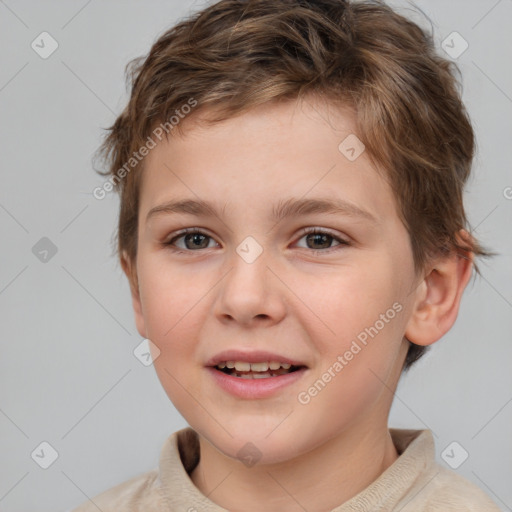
[
  {"x": 429, "y": 486},
  {"x": 447, "y": 491},
  {"x": 141, "y": 493}
]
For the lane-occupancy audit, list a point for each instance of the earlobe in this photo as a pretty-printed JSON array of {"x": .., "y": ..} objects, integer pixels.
[
  {"x": 131, "y": 273},
  {"x": 439, "y": 296}
]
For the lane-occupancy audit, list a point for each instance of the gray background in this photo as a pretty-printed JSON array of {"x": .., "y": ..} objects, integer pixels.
[{"x": 68, "y": 375}]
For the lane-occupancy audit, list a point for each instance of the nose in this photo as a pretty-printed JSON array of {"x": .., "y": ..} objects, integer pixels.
[{"x": 251, "y": 292}]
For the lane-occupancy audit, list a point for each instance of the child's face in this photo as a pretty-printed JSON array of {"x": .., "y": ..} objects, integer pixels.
[{"x": 295, "y": 303}]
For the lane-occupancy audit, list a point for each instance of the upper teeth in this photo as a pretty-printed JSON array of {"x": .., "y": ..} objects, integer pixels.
[{"x": 242, "y": 366}]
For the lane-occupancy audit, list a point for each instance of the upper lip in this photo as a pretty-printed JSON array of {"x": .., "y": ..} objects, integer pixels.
[{"x": 254, "y": 356}]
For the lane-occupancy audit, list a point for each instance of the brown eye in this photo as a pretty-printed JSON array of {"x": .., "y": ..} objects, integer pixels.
[
  {"x": 192, "y": 240},
  {"x": 321, "y": 241}
]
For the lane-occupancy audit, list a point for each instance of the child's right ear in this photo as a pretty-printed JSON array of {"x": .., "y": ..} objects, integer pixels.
[{"x": 130, "y": 271}]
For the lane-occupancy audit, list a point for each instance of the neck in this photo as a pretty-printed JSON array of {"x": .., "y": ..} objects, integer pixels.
[{"x": 317, "y": 481}]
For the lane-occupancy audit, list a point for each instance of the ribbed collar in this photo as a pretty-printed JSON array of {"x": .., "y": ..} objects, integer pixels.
[{"x": 393, "y": 488}]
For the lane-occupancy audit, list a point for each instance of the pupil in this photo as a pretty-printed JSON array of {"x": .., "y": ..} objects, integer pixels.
[
  {"x": 196, "y": 238},
  {"x": 317, "y": 237}
]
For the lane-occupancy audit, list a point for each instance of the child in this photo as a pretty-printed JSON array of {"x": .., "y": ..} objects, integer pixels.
[{"x": 254, "y": 130}]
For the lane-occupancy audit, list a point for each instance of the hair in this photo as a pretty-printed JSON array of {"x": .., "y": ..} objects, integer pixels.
[{"x": 237, "y": 54}]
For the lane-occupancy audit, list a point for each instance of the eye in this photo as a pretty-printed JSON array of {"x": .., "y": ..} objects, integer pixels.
[
  {"x": 192, "y": 239},
  {"x": 322, "y": 239}
]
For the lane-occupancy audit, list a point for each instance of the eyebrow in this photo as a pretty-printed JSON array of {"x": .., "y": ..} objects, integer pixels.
[{"x": 283, "y": 209}]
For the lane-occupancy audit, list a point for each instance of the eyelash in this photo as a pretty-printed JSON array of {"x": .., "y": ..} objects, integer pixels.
[{"x": 303, "y": 233}]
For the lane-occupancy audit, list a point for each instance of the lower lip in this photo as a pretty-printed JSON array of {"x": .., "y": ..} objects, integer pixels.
[{"x": 255, "y": 388}]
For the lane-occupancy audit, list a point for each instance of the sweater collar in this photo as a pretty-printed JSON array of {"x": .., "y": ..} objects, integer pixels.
[{"x": 180, "y": 455}]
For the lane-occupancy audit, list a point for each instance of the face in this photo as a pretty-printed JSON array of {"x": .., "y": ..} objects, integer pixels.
[{"x": 325, "y": 294}]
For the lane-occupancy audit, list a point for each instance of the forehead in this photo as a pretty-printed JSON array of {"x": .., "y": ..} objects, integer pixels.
[{"x": 273, "y": 152}]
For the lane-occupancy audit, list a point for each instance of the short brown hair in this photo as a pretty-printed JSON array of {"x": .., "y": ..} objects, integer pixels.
[{"x": 237, "y": 54}]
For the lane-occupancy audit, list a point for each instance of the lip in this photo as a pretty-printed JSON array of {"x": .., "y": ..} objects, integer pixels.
[
  {"x": 255, "y": 356},
  {"x": 254, "y": 388}
]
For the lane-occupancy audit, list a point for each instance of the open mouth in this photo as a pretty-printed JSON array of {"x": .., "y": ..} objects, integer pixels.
[{"x": 263, "y": 370}]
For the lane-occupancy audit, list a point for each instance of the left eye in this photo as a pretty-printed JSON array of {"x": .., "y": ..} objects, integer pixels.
[{"x": 322, "y": 238}]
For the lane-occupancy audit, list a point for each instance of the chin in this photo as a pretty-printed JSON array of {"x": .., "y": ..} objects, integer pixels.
[
  {"x": 253, "y": 443},
  {"x": 261, "y": 452}
]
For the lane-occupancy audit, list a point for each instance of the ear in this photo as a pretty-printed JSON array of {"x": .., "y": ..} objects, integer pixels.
[
  {"x": 130, "y": 270},
  {"x": 439, "y": 295}
]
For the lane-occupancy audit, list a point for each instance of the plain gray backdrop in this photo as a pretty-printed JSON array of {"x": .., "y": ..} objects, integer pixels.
[{"x": 68, "y": 374}]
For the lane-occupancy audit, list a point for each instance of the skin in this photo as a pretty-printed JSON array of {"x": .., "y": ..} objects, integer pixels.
[{"x": 306, "y": 304}]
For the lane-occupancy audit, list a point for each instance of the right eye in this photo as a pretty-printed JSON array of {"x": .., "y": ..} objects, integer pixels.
[{"x": 192, "y": 239}]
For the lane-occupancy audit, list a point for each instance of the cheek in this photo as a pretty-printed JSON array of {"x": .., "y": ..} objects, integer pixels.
[
  {"x": 172, "y": 326},
  {"x": 170, "y": 305},
  {"x": 358, "y": 360},
  {"x": 350, "y": 299},
  {"x": 364, "y": 313},
  {"x": 165, "y": 293}
]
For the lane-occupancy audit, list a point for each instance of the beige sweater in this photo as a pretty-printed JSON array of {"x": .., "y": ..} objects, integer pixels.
[{"x": 413, "y": 483}]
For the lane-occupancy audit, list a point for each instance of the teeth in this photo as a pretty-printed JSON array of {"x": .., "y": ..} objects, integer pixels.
[
  {"x": 259, "y": 367},
  {"x": 262, "y": 367},
  {"x": 265, "y": 375},
  {"x": 242, "y": 367}
]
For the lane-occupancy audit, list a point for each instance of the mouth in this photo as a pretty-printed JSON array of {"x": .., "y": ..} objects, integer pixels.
[
  {"x": 255, "y": 374},
  {"x": 257, "y": 370}
]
